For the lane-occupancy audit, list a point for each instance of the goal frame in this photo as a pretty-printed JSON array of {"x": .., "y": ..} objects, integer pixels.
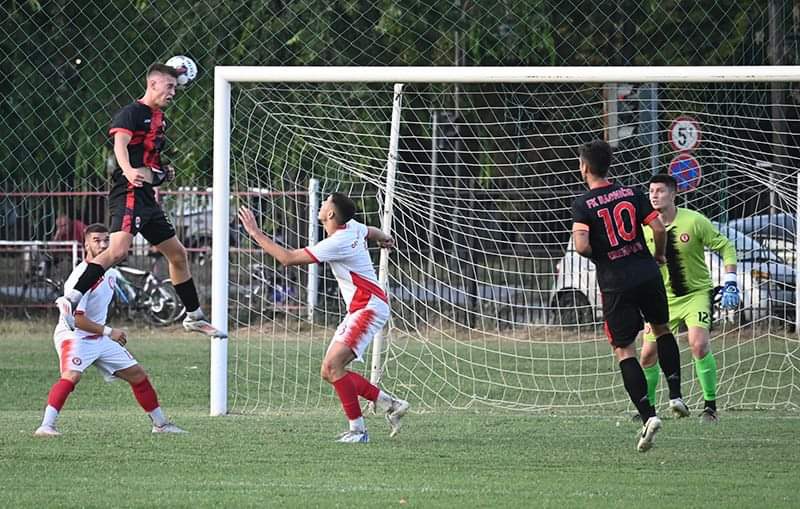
[{"x": 224, "y": 76}]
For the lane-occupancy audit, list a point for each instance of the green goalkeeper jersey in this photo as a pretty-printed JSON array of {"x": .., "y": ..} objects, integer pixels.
[{"x": 687, "y": 237}]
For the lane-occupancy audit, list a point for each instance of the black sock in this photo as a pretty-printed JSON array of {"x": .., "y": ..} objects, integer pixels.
[
  {"x": 636, "y": 385},
  {"x": 188, "y": 294},
  {"x": 670, "y": 359},
  {"x": 90, "y": 276},
  {"x": 712, "y": 404}
]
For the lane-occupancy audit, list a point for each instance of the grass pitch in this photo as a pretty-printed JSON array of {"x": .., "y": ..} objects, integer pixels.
[{"x": 108, "y": 457}]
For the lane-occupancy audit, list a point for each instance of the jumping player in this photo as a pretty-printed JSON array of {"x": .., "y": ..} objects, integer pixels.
[{"x": 138, "y": 131}]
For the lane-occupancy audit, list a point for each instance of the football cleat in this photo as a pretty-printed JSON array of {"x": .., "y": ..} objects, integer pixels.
[
  {"x": 46, "y": 431},
  {"x": 202, "y": 325},
  {"x": 394, "y": 414},
  {"x": 709, "y": 416},
  {"x": 649, "y": 431},
  {"x": 679, "y": 408},
  {"x": 353, "y": 437},
  {"x": 168, "y": 428},
  {"x": 65, "y": 312}
]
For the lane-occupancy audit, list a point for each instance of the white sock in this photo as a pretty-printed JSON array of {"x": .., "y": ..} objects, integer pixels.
[
  {"x": 197, "y": 314},
  {"x": 358, "y": 424},
  {"x": 50, "y": 416},
  {"x": 384, "y": 401},
  {"x": 158, "y": 417}
]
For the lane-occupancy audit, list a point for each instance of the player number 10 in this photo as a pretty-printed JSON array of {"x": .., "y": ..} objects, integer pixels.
[{"x": 627, "y": 234}]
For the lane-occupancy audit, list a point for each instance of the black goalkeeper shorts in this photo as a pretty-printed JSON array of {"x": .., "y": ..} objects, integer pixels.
[{"x": 625, "y": 312}]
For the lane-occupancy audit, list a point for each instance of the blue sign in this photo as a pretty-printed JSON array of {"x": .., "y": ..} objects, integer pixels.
[{"x": 686, "y": 171}]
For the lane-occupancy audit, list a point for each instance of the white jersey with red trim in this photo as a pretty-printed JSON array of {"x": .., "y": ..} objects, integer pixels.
[
  {"x": 346, "y": 252},
  {"x": 94, "y": 303}
]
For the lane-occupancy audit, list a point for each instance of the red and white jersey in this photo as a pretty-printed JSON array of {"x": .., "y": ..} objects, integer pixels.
[
  {"x": 94, "y": 303},
  {"x": 346, "y": 252}
]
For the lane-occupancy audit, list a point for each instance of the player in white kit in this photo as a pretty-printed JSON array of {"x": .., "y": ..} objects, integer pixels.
[
  {"x": 95, "y": 343},
  {"x": 345, "y": 249}
]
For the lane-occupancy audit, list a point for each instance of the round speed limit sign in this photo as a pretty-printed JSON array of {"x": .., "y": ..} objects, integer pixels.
[{"x": 684, "y": 134}]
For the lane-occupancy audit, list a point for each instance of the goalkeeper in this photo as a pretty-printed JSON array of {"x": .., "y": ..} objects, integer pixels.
[{"x": 689, "y": 291}]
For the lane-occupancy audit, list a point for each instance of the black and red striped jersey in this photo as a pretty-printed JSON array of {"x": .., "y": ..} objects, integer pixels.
[
  {"x": 614, "y": 215},
  {"x": 147, "y": 128}
]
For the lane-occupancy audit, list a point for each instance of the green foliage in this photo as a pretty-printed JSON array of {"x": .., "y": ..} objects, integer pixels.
[{"x": 69, "y": 65}]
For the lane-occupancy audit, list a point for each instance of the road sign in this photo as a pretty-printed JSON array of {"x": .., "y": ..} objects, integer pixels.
[
  {"x": 684, "y": 134},
  {"x": 686, "y": 171}
]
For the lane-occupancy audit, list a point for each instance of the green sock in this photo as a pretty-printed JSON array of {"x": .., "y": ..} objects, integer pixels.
[
  {"x": 706, "y": 369},
  {"x": 652, "y": 375}
]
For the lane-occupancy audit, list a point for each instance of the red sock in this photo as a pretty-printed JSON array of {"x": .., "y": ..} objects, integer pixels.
[
  {"x": 348, "y": 396},
  {"x": 145, "y": 395},
  {"x": 59, "y": 393},
  {"x": 363, "y": 388}
]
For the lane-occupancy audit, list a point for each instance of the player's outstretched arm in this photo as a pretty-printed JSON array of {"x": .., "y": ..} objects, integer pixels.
[
  {"x": 284, "y": 256},
  {"x": 383, "y": 240}
]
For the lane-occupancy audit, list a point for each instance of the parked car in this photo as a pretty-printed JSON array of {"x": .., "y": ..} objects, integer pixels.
[{"x": 766, "y": 283}]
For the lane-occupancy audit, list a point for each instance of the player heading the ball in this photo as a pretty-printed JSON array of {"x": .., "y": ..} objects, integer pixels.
[{"x": 138, "y": 131}]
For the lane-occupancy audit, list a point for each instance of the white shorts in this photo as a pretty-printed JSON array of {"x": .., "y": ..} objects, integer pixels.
[
  {"x": 358, "y": 328},
  {"x": 76, "y": 354}
]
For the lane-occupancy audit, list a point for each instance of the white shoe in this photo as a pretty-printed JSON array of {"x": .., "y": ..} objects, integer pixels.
[
  {"x": 65, "y": 312},
  {"x": 202, "y": 325},
  {"x": 353, "y": 437},
  {"x": 679, "y": 408},
  {"x": 396, "y": 412},
  {"x": 649, "y": 431},
  {"x": 46, "y": 431},
  {"x": 168, "y": 428}
]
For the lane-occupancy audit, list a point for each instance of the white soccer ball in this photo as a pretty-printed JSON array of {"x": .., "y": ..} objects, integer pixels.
[{"x": 187, "y": 69}]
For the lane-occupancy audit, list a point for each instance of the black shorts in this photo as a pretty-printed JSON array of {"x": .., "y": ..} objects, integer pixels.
[
  {"x": 136, "y": 211},
  {"x": 623, "y": 311}
]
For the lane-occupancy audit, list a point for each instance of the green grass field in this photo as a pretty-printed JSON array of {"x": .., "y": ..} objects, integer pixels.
[{"x": 108, "y": 457}]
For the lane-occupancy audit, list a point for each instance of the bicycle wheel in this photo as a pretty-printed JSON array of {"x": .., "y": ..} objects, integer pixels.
[
  {"x": 39, "y": 294},
  {"x": 163, "y": 306}
]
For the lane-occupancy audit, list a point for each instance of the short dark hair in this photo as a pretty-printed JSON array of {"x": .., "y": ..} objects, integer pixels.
[
  {"x": 665, "y": 178},
  {"x": 345, "y": 207},
  {"x": 162, "y": 69},
  {"x": 95, "y": 228},
  {"x": 597, "y": 155}
]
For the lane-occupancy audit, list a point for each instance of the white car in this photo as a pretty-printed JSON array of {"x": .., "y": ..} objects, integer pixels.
[{"x": 765, "y": 281}]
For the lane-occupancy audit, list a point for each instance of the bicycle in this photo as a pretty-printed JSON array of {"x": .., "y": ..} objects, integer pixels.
[
  {"x": 139, "y": 291},
  {"x": 39, "y": 290}
]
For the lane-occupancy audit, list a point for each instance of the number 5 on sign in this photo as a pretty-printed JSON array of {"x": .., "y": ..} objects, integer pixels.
[{"x": 684, "y": 134}]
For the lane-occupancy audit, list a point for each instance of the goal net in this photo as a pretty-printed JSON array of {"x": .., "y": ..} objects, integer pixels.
[{"x": 491, "y": 307}]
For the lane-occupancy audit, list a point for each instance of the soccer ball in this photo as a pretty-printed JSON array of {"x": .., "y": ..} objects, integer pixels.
[{"x": 187, "y": 69}]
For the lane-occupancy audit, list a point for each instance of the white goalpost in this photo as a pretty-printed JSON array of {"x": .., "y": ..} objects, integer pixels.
[{"x": 472, "y": 170}]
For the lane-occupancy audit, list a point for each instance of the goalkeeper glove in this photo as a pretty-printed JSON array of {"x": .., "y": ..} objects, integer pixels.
[{"x": 730, "y": 292}]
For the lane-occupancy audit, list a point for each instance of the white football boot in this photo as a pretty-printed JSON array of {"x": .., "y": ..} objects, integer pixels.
[
  {"x": 649, "y": 431},
  {"x": 46, "y": 431},
  {"x": 679, "y": 408},
  {"x": 353, "y": 437},
  {"x": 65, "y": 312},
  {"x": 168, "y": 428},
  {"x": 200, "y": 324},
  {"x": 395, "y": 413}
]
